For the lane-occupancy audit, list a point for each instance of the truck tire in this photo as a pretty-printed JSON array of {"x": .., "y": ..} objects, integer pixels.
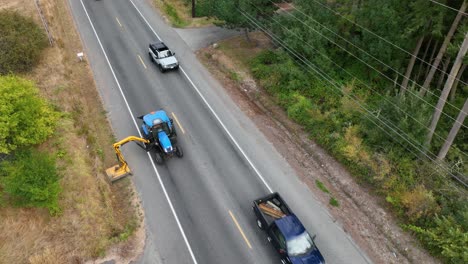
[
  {"x": 179, "y": 153},
  {"x": 151, "y": 57},
  {"x": 158, "y": 158},
  {"x": 161, "y": 68}
]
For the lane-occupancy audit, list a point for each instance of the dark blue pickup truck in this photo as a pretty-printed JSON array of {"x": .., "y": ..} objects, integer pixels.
[{"x": 285, "y": 232}]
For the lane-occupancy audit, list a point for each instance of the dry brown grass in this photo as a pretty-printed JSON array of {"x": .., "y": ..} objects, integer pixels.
[
  {"x": 94, "y": 213},
  {"x": 241, "y": 51}
]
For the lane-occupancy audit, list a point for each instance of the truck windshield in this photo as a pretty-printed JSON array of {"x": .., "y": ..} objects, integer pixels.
[{"x": 300, "y": 244}]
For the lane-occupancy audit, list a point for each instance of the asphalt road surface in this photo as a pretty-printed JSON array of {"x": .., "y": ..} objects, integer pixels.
[{"x": 198, "y": 208}]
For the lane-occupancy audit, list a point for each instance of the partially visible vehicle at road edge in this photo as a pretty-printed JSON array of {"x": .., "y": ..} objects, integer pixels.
[
  {"x": 160, "y": 131},
  {"x": 285, "y": 232},
  {"x": 160, "y": 54}
]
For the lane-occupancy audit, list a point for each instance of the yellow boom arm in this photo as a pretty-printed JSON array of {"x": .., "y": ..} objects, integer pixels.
[{"x": 121, "y": 170}]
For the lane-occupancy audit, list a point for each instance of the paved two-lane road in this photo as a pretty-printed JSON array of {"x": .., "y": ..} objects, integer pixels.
[{"x": 198, "y": 208}]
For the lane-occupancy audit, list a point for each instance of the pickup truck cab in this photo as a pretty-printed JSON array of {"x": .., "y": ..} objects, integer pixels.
[
  {"x": 285, "y": 232},
  {"x": 160, "y": 54}
]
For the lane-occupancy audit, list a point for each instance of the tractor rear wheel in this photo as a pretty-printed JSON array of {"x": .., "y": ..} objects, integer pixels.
[
  {"x": 158, "y": 158},
  {"x": 179, "y": 153}
]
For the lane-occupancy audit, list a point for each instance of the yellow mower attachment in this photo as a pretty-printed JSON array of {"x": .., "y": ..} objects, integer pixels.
[{"x": 122, "y": 169}]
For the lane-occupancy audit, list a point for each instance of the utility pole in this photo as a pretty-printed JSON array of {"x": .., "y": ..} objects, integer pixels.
[{"x": 193, "y": 8}]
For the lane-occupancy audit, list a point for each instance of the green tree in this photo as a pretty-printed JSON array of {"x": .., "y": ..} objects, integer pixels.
[
  {"x": 21, "y": 42},
  {"x": 25, "y": 118},
  {"x": 31, "y": 180},
  {"x": 234, "y": 13},
  {"x": 447, "y": 238},
  {"x": 406, "y": 116}
]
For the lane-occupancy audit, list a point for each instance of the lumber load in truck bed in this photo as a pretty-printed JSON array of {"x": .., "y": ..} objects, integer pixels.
[{"x": 271, "y": 211}]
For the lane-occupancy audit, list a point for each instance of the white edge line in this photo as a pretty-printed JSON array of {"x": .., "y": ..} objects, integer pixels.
[
  {"x": 139, "y": 133},
  {"x": 212, "y": 111}
]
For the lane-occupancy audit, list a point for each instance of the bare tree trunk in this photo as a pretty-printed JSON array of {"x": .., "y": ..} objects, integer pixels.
[
  {"x": 457, "y": 81},
  {"x": 445, "y": 65},
  {"x": 423, "y": 59},
  {"x": 429, "y": 67},
  {"x": 193, "y": 8},
  {"x": 409, "y": 69},
  {"x": 247, "y": 37},
  {"x": 453, "y": 132},
  {"x": 445, "y": 92},
  {"x": 442, "y": 49},
  {"x": 395, "y": 82}
]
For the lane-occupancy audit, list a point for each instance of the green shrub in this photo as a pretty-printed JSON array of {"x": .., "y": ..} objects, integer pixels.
[
  {"x": 21, "y": 42},
  {"x": 25, "y": 118},
  {"x": 31, "y": 180},
  {"x": 418, "y": 203},
  {"x": 334, "y": 202},
  {"x": 402, "y": 115},
  {"x": 299, "y": 111},
  {"x": 321, "y": 186},
  {"x": 447, "y": 238}
]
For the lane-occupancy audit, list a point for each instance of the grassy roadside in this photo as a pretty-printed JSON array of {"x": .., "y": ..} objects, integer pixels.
[
  {"x": 95, "y": 215},
  {"x": 179, "y": 14}
]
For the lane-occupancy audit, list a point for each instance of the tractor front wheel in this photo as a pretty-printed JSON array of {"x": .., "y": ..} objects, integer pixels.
[
  {"x": 179, "y": 152},
  {"x": 158, "y": 158}
]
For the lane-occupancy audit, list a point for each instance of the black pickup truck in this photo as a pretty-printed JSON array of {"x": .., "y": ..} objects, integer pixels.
[{"x": 285, "y": 232}]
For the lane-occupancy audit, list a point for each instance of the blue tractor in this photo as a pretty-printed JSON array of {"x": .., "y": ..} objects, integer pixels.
[{"x": 160, "y": 131}]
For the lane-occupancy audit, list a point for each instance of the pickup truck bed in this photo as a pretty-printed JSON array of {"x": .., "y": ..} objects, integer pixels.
[{"x": 271, "y": 208}]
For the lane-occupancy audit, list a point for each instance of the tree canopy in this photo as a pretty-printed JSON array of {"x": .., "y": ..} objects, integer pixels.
[{"x": 21, "y": 42}]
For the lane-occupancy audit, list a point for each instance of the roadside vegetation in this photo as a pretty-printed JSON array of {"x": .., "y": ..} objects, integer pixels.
[
  {"x": 17, "y": 53},
  {"x": 55, "y": 143},
  {"x": 179, "y": 13},
  {"x": 370, "y": 104}
]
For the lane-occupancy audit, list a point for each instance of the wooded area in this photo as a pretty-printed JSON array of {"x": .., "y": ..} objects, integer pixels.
[{"x": 382, "y": 85}]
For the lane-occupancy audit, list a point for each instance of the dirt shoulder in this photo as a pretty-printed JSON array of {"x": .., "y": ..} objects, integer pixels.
[
  {"x": 97, "y": 219},
  {"x": 363, "y": 215}
]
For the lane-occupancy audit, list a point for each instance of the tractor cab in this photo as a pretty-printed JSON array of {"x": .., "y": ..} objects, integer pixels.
[{"x": 160, "y": 130}]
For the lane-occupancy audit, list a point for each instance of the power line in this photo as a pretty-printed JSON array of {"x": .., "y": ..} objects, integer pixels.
[
  {"x": 370, "y": 55},
  {"x": 370, "y": 66},
  {"x": 449, "y": 7},
  {"x": 382, "y": 38},
  {"x": 364, "y": 83},
  {"x": 333, "y": 83}
]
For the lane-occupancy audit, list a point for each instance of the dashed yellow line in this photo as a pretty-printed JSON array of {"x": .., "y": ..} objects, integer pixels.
[
  {"x": 178, "y": 123},
  {"x": 240, "y": 230},
  {"x": 141, "y": 60},
  {"x": 120, "y": 24}
]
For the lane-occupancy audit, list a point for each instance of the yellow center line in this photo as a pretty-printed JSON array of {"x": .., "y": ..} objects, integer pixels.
[
  {"x": 178, "y": 123},
  {"x": 240, "y": 229},
  {"x": 141, "y": 60},
  {"x": 118, "y": 22}
]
